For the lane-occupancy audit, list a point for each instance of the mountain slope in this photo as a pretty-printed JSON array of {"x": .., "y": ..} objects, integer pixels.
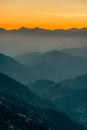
[
  {"x": 42, "y": 87},
  {"x": 57, "y": 66},
  {"x": 12, "y": 117},
  {"x": 27, "y": 58},
  {"x": 69, "y": 95},
  {"x": 17, "y": 113},
  {"x": 80, "y": 52},
  {"x": 15, "y": 70},
  {"x": 22, "y": 92}
]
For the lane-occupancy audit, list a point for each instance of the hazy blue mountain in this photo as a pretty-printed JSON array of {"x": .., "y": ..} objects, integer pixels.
[
  {"x": 57, "y": 66},
  {"x": 15, "y": 70},
  {"x": 2, "y": 30},
  {"x": 20, "y": 109},
  {"x": 22, "y": 92},
  {"x": 80, "y": 52},
  {"x": 16, "y": 42},
  {"x": 70, "y": 95},
  {"x": 27, "y": 58},
  {"x": 42, "y": 87}
]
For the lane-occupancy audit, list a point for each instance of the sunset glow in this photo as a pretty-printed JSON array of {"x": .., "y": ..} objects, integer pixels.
[{"x": 49, "y": 14}]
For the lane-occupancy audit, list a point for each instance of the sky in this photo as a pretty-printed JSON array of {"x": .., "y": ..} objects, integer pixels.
[{"x": 48, "y": 14}]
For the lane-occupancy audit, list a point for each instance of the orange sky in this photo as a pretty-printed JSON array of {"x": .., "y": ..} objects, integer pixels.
[{"x": 49, "y": 14}]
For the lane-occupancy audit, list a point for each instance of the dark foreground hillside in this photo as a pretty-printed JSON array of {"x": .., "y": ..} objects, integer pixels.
[
  {"x": 69, "y": 95},
  {"x": 18, "y": 111}
]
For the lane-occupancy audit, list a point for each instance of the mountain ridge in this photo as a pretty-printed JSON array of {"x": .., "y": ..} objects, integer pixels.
[
  {"x": 69, "y": 95},
  {"x": 18, "y": 113},
  {"x": 56, "y": 65},
  {"x": 41, "y": 31},
  {"x": 14, "y": 69},
  {"x": 80, "y": 52}
]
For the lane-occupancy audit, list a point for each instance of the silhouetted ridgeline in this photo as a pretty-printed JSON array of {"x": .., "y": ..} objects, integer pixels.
[{"x": 40, "y": 31}]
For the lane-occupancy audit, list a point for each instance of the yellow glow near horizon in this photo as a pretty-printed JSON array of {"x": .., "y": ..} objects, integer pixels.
[{"x": 49, "y": 14}]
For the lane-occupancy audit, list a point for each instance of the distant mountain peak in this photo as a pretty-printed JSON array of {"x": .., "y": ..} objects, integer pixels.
[
  {"x": 42, "y": 31},
  {"x": 2, "y": 29}
]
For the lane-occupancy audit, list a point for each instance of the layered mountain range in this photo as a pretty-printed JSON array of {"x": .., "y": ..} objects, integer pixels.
[
  {"x": 54, "y": 65},
  {"x": 55, "y": 83},
  {"x": 21, "y": 109},
  {"x": 69, "y": 95}
]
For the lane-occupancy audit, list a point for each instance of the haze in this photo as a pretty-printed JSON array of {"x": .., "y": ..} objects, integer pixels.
[{"x": 13, "y": 44}]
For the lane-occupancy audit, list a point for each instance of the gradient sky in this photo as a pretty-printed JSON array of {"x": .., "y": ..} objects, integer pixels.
[{"x": 49, "y": 14}]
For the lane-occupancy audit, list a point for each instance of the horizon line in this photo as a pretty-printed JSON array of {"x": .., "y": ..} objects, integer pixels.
[{"x": 37, "y": 27}]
